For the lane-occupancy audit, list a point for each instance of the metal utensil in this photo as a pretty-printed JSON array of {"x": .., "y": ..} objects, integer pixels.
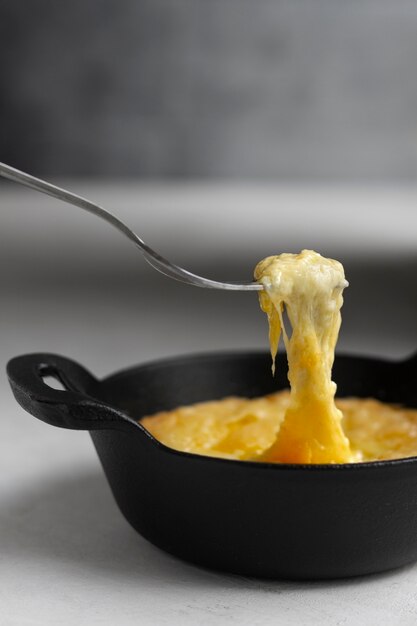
[{"x": 151, "y": 256}]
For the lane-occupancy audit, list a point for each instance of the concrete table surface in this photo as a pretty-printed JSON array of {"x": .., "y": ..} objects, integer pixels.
[{"x": 68, "y": 286}]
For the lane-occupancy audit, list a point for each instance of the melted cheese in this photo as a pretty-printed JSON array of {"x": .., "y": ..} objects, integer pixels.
[
  {"x": 309, "y": 287},
  {"x": 305, "y": 424},
  {"x": 240, "y": 428}
]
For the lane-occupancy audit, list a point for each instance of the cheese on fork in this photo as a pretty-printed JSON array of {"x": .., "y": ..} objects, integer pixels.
[{"x": 307, "y": 288}]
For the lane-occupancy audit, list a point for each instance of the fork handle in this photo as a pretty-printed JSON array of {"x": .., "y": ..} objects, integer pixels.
[
  {"x": 157, "y": 261},
  {"x": 59, "y": 193}
]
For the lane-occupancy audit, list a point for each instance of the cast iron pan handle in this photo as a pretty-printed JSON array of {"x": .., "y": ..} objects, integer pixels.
[{"x": 75, "y": 406}]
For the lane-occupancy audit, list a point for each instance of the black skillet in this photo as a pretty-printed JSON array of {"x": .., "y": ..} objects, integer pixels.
[{"x": 256, "y": 519}]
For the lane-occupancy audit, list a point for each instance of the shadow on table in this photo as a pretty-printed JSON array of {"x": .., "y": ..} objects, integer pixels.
[{"x": 74, "y": 522}]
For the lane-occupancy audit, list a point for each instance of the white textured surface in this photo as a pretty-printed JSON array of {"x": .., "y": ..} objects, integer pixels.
[{"x": 67, "y": 555}]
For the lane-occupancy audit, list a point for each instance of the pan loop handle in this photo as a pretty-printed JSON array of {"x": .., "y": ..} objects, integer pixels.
[{"x": 74, "y": 406}]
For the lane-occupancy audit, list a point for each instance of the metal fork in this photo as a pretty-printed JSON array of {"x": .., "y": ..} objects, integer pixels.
[{"x": 151, "y": 256}]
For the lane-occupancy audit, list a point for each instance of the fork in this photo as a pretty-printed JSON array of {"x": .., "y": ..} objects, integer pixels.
[{"x": 157, "y": 261}]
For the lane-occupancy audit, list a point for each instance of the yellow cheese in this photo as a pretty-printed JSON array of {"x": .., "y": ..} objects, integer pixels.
[
  {"x": 240, "y": 428},
  {"x": 302, "y": 297},
  {"x": 309, "y": 288}
]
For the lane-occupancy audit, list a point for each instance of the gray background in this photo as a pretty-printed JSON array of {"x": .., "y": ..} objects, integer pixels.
[
  {"x": 293, "y": 105},
  {"x": 300, "y": 89}
]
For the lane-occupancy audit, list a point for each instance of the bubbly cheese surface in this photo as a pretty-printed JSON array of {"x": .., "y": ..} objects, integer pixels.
[
  {"x": 240, "y": 428},
  {"x": 302, "y": 298}
]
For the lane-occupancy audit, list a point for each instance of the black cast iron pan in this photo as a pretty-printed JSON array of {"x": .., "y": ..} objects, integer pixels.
[{"x": 257, "y": 519}]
